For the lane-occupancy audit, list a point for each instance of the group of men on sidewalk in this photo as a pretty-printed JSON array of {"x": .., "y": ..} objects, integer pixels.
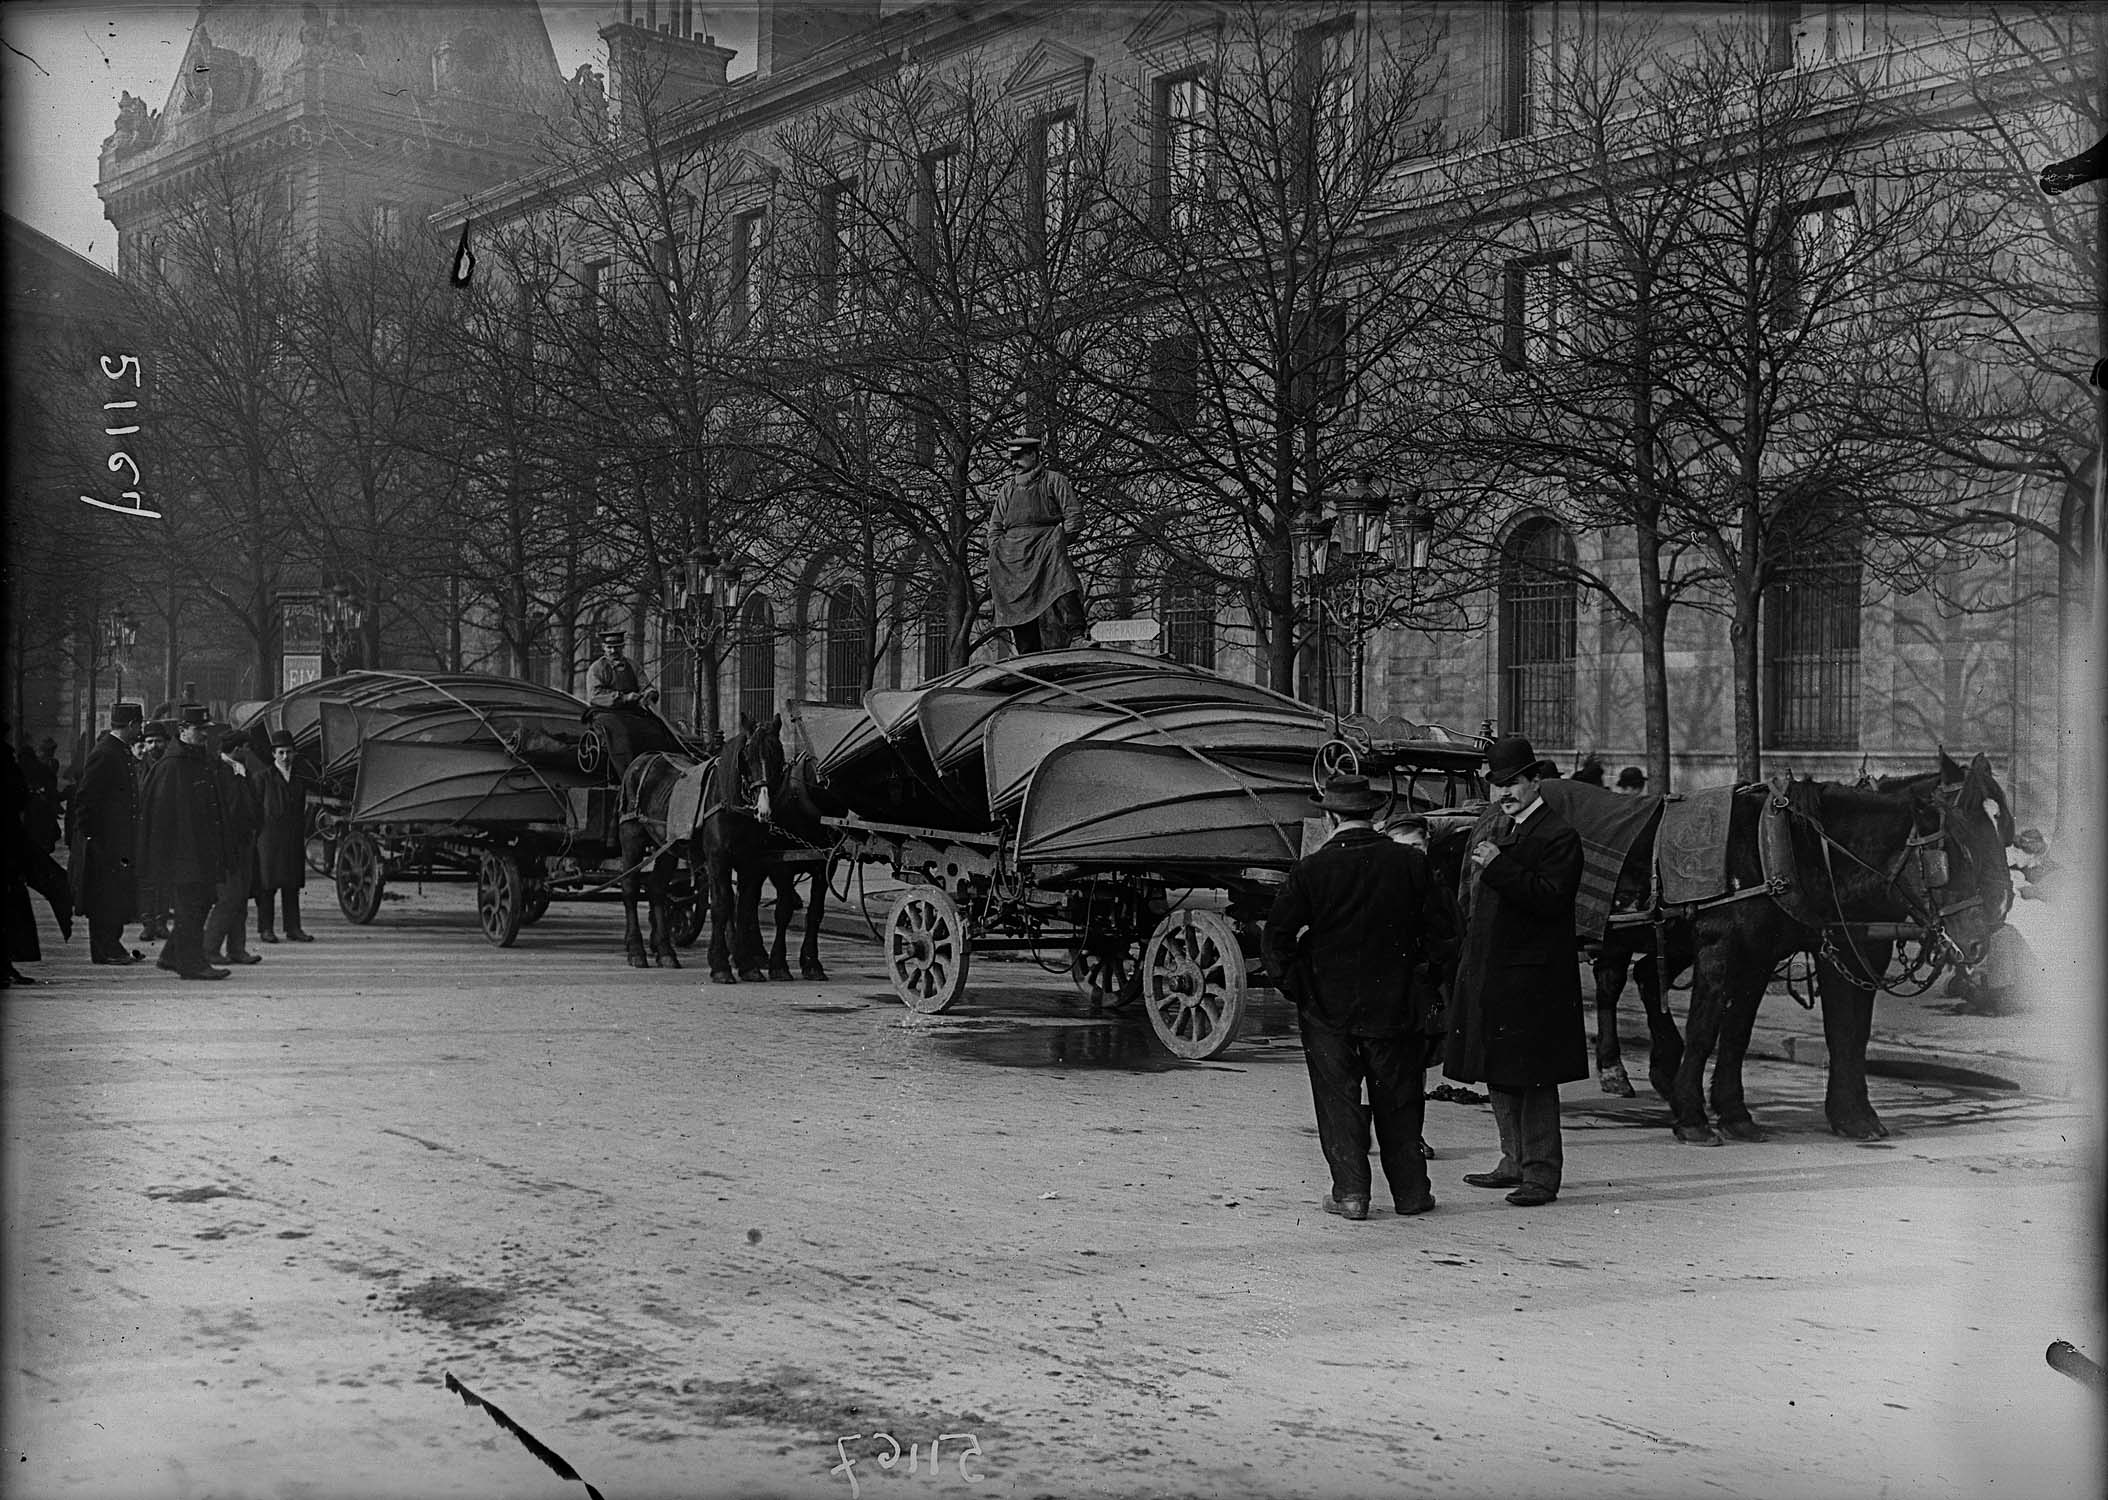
[{"x": 181, "y": 837}]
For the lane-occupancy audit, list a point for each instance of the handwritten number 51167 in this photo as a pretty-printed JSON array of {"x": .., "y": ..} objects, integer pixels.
[
  {"x": 847, "y": 1467},
  {"x": 123, "y": 426}
]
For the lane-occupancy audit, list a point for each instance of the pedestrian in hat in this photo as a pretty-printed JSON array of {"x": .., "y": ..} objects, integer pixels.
[
  {"x": 1631, "y": 781},
  {"x": 1035, "y": 517},
  {"x": 25, "y": 865},
  {"x": 241, "y": 800},
  {"x": 102, "y": 854},
  {"x": 281, "y": 845},
  {"x": 622, "y": 704},
  {"x": 1516, "y": 1021},
  {"x": 153, "y": 905},
  {"x": 1346, "y": 936},
  {"x": 185, "y": 843}
]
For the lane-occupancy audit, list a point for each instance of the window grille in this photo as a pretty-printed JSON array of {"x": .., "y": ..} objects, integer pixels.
[
  {"x": 936, "y": 633},
  {"x": 1181, "y": 150},
  {"x": 845, "y": 646},
  {"x": 1189, "y": 622},
  {"x": 1538, "y": 619},
  {"x": 757, "y": 659},
  {"x": 1811, "y": 613},
  {"x": 1054, "y": 175},
  {"x": 1536, "y": 316}
]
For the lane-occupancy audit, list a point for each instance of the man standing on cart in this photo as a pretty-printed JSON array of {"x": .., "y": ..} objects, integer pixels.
[
  {"x": 1032, "y": 521},
  {"x": 1345, "y": 938},
  {"x": 621, "y": 703}
]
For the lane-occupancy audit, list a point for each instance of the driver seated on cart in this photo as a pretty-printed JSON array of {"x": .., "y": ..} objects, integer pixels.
[{"x": 622, "y": 705}]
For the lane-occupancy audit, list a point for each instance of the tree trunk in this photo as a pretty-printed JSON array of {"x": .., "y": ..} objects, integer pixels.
[
  {"x": 1742, "y": 640},
  {"x": 1654, "y": 664}
]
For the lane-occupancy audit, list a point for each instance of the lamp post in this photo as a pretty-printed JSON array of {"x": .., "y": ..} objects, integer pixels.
[
  {"x": 705, "y": 605},
  {"x": 341, "y": 614},
  {"x": 1357, "y": 568},
  {"x": 120, "y": 634}
]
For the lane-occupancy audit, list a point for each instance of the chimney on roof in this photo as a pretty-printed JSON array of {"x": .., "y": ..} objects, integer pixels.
[
  {"x": 657, "y": 62},
  {"x": 792, "y": 30}
]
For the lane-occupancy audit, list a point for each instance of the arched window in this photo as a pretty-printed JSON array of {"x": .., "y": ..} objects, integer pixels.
[
  {"x": 1189, "y": 620},
  {"x": 845, "y": 646},
  {"x": 757, "y": 659},
  {"x": 1537, "y": 619},
  {"x": 1810, "y": 613}
]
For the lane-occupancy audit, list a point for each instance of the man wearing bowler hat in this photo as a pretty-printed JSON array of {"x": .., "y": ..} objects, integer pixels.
[
  {"x": 281, "y": 842},
  {"x": 1347, "y": 933},
  {"x": 1032, "y": 521},
  {"x": 241, "y": 803},
  {"x": 185, "y": 841},
  {"x": 621, "y": 702},
  {"x": 1515, "y": 1022},
  {"x": 102, "y": 852}
]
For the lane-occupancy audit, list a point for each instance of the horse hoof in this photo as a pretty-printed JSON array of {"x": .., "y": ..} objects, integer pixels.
[
  {"x": 1697, "y": 1135},
  {"x": 1745, "y": 1130},
  {"x": 782, "y": 976},
  {"x": 812, "y": 971},
  {"x": 665, "y": 959},
  {"x": 1865, "y": 1127},
  {"x": 1612, "y": 1080},
  {"x": 722, "y": 976},
  {"x": 636, "y": 961},
  {"x": 751, "y": 976}
]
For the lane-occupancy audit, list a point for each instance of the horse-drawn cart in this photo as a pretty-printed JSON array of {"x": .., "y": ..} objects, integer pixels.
[
  {"x": 458, "y": 778},
  {"x": 1133, "y": 816}
]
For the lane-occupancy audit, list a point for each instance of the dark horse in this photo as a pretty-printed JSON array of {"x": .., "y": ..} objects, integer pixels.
[
  {"x": 1924, "y": 852},
  {"x": 736, "y": 843}
]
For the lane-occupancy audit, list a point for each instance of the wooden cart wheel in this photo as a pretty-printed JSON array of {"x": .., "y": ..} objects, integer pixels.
[
  {"x": 1193, "y": 983},
  {"x": 537, "y": 908},
  {"x": 1108, "y": 977},
  {"x": 927, "y": 952},
  {"x": 360, "y": 876},
  {"x": 1334, "y": 758},
  {"x": 691, "y": 914},
  {"x": 501, "y": 896}
]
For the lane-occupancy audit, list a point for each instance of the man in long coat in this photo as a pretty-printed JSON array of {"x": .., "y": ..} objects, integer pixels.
[
  {"x": 1515, "y": 1021},
  {"x": 151, "y": 906},
  {"x": 281, "y": 842},
  {"x": 241, "y": 802},
  {"x": 1034, "y": 517},
  {"x": 185, "y": 842},
  {"x": 1346, "y": 936},
  {"x": 103, "y": 850}
]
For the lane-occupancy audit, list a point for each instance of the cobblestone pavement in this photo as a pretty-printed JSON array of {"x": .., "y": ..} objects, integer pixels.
[{"x": 706, "y": 1241}]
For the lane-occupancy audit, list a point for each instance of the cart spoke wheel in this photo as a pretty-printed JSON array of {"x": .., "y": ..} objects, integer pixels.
[
  {"x": 360, "y": 876},
  {"x": 1194, "y": 983},
  {"x": 1108, "y": 977},
  {"x": 1334, "y": 758},
  {"x": 592, "y": 750},
  {"x": 927, "y": 951},
  {"x": 501, "y": 896}
]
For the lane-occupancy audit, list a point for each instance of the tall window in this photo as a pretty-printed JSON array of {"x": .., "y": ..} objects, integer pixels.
[
  {"x": 936, "y": 632},
  {"x": 1325, "y": 61},
  {"x": 593, "y": 304},
  {"x": 827, "y": 247},
  {"x": 1181, "y": 150},
  {"x": 1054, "y": 177},
  {"x": 1808, "y": 35},
  {"x": 1537, "y": 630},
  {"x": 939, "y": 182},
  {"x": 1817, "y": 269},
  {"x": 1322, "y": 378},
  {"x": 846, "y": 658},
  {"x": 388, "y": 223},
  {"x": 745, "y": 289},
  {"x": 1536, "y": 316},
  {"x": 1536, "y": 49},
  {"x": 676, "y": 675},
  {"x": 757, "y": 659},
  {"x": 1189, "y": 621},
  {"x": 1811, "y": 641},
  {"x": 1174, "y": 383}
]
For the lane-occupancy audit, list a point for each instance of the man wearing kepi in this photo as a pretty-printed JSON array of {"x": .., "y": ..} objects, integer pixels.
[
  {"x": 1515, "y": 1017},
  {"x": 105, "y": 838},
  {"x": 1348, "y": 930},
  {"x": 1031, "y": 522},
  {"x": 185, "y": 841},
  {"x": 621, "y": 702}
]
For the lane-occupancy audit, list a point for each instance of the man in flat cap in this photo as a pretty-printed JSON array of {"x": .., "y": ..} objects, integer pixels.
[
  {"x": 1032, "y": 521},
  {"x": 184, "y": 841},
  {"x": 621, "y": 702},
  {"x": 103, "y": 849},
  {"x": 1346, "y": 935},
  {"x": 1515, "y": 1022}
]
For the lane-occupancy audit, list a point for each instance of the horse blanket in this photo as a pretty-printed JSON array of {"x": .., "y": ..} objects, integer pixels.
[{"x": 1609, "y": 826}]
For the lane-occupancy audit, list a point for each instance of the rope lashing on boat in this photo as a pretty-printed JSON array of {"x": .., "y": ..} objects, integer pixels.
[{"x": 1237, "y": 783}]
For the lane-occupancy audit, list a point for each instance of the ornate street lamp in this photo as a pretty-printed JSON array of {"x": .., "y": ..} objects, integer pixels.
[
  {"x": 705, "y": 605},
  {"x": 341, "y": 614},
  {"x": 120, "y": 634},
  {"x": 1349, "y": 557}
]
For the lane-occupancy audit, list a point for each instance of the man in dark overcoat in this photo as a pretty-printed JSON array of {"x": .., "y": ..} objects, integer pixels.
[
  {"x": 1032, "y": 521},
  {"x": 1346, "y": 936},
  {"x": 281, "y": 842},
  {"x": 185, "y": 844},
  {"x": 241, "y": 801},
  {"x": 152, "y": 905},
  {"x": 621, "y": 703},
  {"x": 104, "y": 847},
  {"x": 1515, "y": 1022}
]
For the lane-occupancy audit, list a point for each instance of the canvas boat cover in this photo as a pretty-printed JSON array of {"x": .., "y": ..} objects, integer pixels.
[
  {"x": 1162, "y": 807},
  {"x": 1019, "y": 736},
  {"x": 464, "y": 785}
]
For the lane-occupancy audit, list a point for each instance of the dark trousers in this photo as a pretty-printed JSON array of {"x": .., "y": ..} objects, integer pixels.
[
  {"x": 292, "y": 909},
  {"x": 1339, "y": 1063},
  {"x": 105, "y": 936},
  {"x": 1053, "y": 630},
  {"x": 185, "y": 948},
  {"x": 1528, "y": 1121},
  {"x": 228, "y": 921}
]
